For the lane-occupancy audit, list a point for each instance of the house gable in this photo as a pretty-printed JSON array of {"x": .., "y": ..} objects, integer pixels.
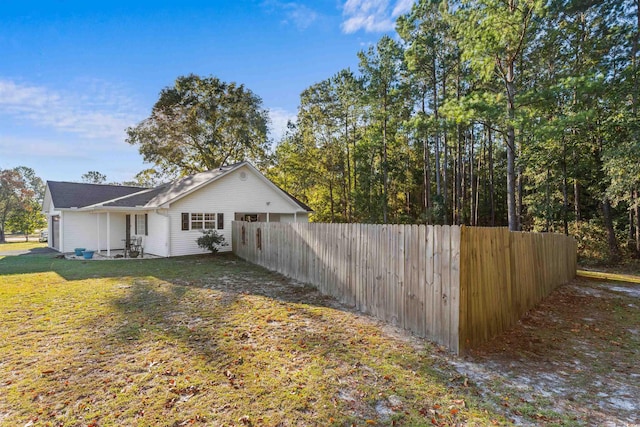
[{"x": 244, "y": 191}]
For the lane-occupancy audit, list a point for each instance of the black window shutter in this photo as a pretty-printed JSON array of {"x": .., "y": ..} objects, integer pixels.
[
  {"x": 146, "y": 224},
  {"x": 185, "y": 221},
  {"x": 220, "y": 221},
  {"x": 135, "y": 221}
]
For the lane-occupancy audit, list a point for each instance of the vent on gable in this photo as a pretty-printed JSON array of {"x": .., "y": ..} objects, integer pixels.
[{"x": 243, "y": 176}]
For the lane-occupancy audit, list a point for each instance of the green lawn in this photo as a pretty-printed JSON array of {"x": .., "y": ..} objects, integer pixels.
[
  {"x": 20, "y": 246},
  {"x": 204, "y": 341}
]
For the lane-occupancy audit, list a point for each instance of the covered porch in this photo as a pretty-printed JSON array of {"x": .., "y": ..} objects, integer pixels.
[
  {"x": 120, "y": 233},
  {"x": 266, "y": 217}
]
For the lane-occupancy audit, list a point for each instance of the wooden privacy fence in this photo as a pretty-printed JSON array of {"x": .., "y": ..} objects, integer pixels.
[{"x": 458, "y": 286}]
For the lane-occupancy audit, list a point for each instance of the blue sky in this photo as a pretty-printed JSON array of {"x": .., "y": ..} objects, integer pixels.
[{"x": 75, "y": 74}]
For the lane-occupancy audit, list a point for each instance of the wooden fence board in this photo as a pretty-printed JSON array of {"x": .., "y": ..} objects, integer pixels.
[{"x": 458, "y": 286}]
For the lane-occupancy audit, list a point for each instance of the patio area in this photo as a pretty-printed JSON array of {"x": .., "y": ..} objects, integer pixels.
[{"x": 102, "y": 256}]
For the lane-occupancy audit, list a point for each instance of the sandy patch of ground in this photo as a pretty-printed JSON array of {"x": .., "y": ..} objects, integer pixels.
[{"x": 571, "y": 361}]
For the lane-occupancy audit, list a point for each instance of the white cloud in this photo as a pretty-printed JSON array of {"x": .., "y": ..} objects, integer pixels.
[
  {"x": 95, "y": 109},
  {"x": 300, "y": 15},
  {"x": 373, "y": 15},
  {"x": 402, "y": 7},
  {"x": 279, "y": 119}
]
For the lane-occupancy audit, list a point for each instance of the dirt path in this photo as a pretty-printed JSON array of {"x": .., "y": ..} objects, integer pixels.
[{"x": 572, "y": 361}]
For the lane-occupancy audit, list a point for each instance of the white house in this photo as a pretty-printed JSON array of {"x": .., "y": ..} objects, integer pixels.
[{"x": 168, "y": 218}]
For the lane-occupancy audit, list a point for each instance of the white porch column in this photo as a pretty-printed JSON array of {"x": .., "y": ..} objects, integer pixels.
[
  {"x": 98, "y": 233},
  {"x": 108, "y": 233},
  {"x": 267, "y": 216},
  {"x": 295, "y": 217}
]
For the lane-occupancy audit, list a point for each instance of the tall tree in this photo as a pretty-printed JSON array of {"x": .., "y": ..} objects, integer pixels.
[
  {"x": 424, "y": 32},
  {"x": 201, "y": 123},
  {"x": 493, "y": 36},
  {"x": 380, "y": 67}
]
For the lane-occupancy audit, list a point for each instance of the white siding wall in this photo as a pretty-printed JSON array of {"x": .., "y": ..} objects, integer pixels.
[
  {"x": 156, "y": 242},
  {"x": 117, "y": 224},
  {"x": 80, "y": 230},
  {"x": 227, "y": 195}
]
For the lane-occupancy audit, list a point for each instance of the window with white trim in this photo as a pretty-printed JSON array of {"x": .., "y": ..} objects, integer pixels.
[
  {"x": 197, "y": 221},
  {"x": 209, "y": 221},
  {"x": 140, "y": 225},
  {"x": 202, "y": 221}
]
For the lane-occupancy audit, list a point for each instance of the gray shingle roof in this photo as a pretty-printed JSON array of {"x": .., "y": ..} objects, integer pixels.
[
  {"x": 79, "y": 195},
  {"x": 141, "y": 198}
]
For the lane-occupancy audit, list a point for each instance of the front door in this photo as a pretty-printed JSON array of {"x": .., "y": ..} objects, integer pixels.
[{"x": 55, "y": 232}]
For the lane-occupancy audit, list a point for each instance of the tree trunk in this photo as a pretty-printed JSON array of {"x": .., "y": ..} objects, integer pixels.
[
  {"x": 547, "y": 214},
  {"x": 476, "y": 183},
  {"x": 348, "y": 206},
  {"x": 565, "y": 195},
  {"x": 614, "y": 250},
  {"x": 457, "y": 202},
  {"x": 445, "y": 160},
  {"x": 636, "y": 210},
  {"x": 385, "y": 178},
  {"x": 426, "y": 169},
  {"x": 355, "y": 170},
  {"x": 511, "y": 153},
  {"x": 437, "y": 120},
  {"x": 520, "y": 200},
  {"x": 492, "y": 190},
  {"x": 445, "y": 187},
  {"x": 331, "y": 200},
  {"x": 426, "y": 172},
  {"x": 459, "y": 172},
  {"x": 472, "y": 182},
  {"x": 632, "y": 231}
]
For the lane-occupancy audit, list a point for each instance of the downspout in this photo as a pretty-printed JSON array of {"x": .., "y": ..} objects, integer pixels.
[
  {"x": 98, "y": 231},
  {"x": 168, "y": 228},
  {"x": 108, "y": 233}
]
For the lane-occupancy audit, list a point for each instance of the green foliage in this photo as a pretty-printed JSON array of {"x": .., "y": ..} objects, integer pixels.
[
  {"x": 19, "y": 189},
  {"x": 94, "y": 177},
  {"x": 487, "y": 112},
  {"x": 27, "y": 219},
  {"x": 211, "y": 240},
  {"x": 201, "y": 123}
]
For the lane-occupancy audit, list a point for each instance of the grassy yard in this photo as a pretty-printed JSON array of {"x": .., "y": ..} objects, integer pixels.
[
  {"x": 205, "y": 341},
  {"x": 20, "y": 246}
]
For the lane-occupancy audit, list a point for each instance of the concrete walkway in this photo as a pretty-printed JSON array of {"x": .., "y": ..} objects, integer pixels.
[{"x": 34, "y": 251}]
